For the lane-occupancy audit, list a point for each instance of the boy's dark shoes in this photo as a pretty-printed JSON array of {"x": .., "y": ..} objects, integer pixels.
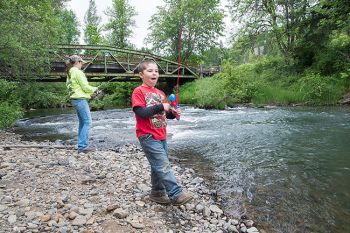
[
  {"x": 159, "y": 197},
  {"x": 183, "y": 198},
  {"x": 88, "y": 150}
]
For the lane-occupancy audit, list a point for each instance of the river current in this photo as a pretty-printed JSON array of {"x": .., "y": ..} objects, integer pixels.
[{"x": 288, "y": 169}]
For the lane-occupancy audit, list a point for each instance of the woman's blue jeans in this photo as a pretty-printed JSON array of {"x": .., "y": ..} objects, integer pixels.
[
  {"x": 162, "y": 176},
  {"x": 83, "y": 111}
]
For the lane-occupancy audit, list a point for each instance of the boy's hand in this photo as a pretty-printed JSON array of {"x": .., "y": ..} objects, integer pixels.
[
  {"x": 166, "y": 107},
  {"x": 176, "y": 111}
]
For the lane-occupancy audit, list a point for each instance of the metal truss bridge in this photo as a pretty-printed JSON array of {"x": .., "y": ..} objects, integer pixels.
[{"x": 110, "y": 64}]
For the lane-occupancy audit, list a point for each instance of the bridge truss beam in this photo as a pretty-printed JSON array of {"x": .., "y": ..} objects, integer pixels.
[{"x": 110, "y": 64}]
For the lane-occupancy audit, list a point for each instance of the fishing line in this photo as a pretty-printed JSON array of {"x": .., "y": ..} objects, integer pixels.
[{"x": 178, "y": 64}]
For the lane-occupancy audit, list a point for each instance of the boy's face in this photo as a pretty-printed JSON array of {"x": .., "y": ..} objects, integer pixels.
[{"x": 150, "y": 75}]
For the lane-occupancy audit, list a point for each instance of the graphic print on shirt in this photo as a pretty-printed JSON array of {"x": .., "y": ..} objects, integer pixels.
[{"x": 158, "y": 120}]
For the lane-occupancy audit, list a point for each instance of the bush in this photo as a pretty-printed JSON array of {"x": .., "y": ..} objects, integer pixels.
[
  {"x": 242, "y": 82},
  {"x": 9, "y": 114},
  {"x": 233, "y": 85},
  {"x": 39, "y": 95},
  {"x": 118, "y": 94},
  {"x": 317, "y": 89}
]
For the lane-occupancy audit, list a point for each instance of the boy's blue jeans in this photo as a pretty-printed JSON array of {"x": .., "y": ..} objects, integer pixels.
[
  {"x": 162, "y": 176},
  {"x": 83, "y": 111}
]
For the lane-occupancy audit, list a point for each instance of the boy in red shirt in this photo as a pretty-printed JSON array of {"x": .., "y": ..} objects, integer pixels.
[{"x": 151, "y": 111}]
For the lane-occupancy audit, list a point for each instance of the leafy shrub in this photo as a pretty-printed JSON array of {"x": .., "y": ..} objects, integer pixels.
[
  {"x": 188, "y": 93},
  {"x": 36, "y": 95},
  {"x": 118, "y": 94},
  {"x": 317, "y": 89},
  {"x": 241, "y": 82},
  {"x": 233, "y": 85},
  {"x": 9, "y": 114}
]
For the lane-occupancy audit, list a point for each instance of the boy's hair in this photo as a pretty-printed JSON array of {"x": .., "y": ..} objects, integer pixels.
[{"x": 143, "y": 65}]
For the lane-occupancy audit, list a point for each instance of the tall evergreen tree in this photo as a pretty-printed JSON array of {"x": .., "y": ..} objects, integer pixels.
[
  {"x": 92, "y": 32},
  {"x": 120, "y": 23}
]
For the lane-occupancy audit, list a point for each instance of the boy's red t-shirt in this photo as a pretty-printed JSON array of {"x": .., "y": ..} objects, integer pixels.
[{"x": 156, "y": 125}]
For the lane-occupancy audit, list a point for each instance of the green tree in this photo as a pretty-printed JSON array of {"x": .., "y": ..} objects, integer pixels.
[
  {"x": 68, "y": 31},
  {"x": 280, "y": 17},
  {"x": 28, "y": 30},
  {"x": 191, "y": 26},
  {"x": 120, "y": 23},
  {"x": 325, "y": 38},
  {"x": 92, "y": 32}
]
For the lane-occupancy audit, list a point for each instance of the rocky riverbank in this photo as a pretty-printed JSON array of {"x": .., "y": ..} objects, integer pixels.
[{"x": 49, "y": 188}]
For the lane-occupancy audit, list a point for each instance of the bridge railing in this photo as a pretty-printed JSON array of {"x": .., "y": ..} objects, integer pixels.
[{"x": 106, "y": 63}]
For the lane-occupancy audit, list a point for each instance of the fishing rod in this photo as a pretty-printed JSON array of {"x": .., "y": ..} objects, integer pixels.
[{"x": 174, "y": 98}]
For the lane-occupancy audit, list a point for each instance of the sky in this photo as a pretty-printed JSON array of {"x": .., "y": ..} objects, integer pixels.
[{"x": 144, "y": 8}]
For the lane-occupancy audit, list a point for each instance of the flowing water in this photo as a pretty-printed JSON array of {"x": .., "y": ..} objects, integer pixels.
[{"x": 288, "y": 169}]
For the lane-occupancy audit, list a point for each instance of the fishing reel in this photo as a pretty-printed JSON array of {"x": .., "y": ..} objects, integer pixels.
[{"x": 97, "y": 95}]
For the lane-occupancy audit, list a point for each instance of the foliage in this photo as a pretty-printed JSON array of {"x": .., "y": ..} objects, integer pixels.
[
  {"x": 9, "y": 114},
  {"x": 28, "y": 29},
  {"x": 34, "y": 95},
  {"x": 214, "y": 56},
  {"x": 92, "y": 31},
  {"x": 198, "y": 23},
  {"x": 120, "y": 23},
  {"x": 251, "y": 48},
  {"x": 233, "y": 85},
  {"x": 67, "y": 27},
  {"x": 118, "y": 94},
  {"x": 281, "y": 18},
  {"x": 10, "y": 109},
  {"x": 268, "y": 81},
  {"x": 317, "y": 89},
  {"x": 324, "y": 38},
  {"x": 276, "y": 95}
]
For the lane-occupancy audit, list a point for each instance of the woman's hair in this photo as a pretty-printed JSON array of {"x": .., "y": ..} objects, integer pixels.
[
  {"x": 143, "y": 65},
  {"x": 71, "y": 61},
  {"x": 68, "y": 65}
]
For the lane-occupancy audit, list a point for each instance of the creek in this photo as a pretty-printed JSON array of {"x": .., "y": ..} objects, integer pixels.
[{"x": 288, "y": 169}]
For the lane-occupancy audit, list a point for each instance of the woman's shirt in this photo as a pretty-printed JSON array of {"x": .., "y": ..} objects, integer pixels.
[{"x": 78, "y": 85}]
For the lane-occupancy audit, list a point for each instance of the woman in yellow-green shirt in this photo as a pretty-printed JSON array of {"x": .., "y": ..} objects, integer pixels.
[{"x": 80, "y": 92}]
